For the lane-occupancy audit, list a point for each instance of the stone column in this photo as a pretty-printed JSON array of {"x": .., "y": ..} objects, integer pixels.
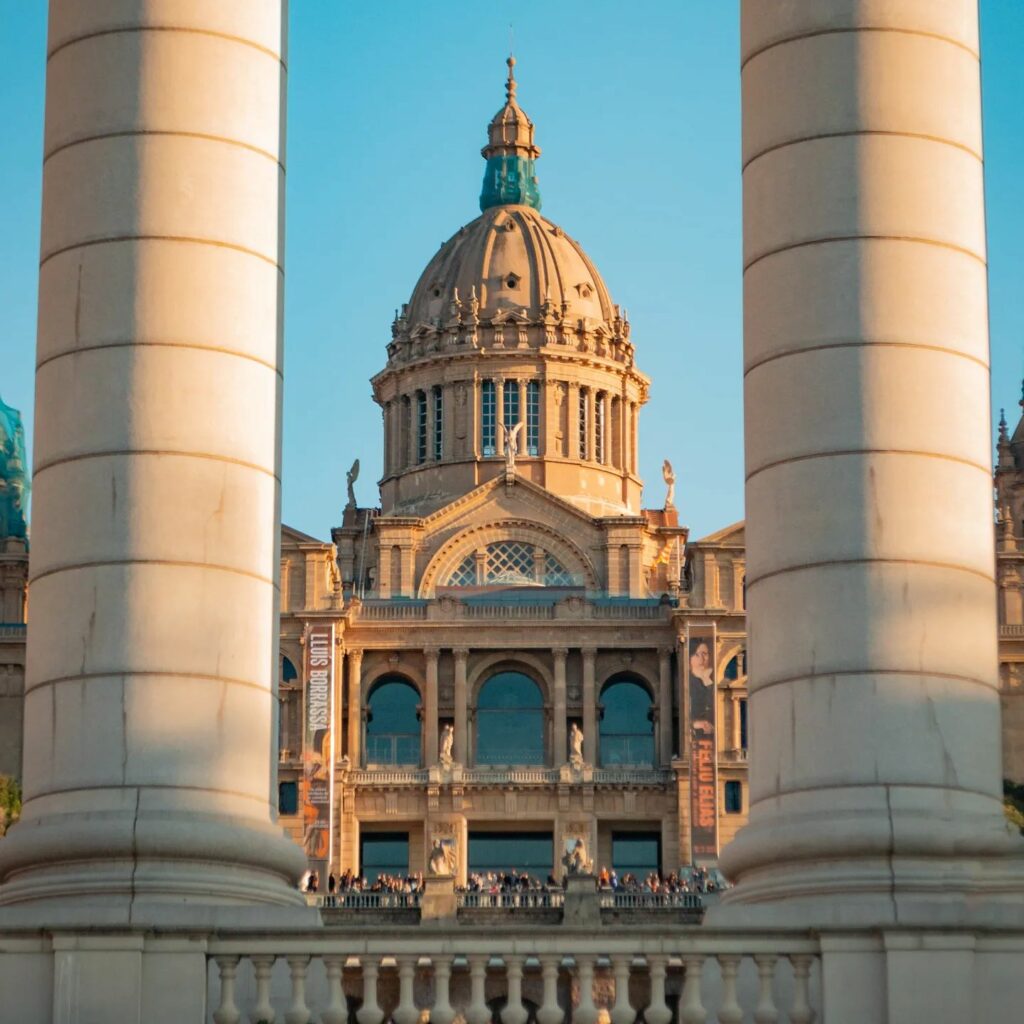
[
  {"x": 430, "y": 656},
  {"x": 591, "y": 424},
  {"x": 561, "y": 751},
  {"x": 590, "y": 744},
  {"x": 875, "y": 761},
  {"x": 355, "y": 708},
  {"x": 151, "y": 673},
  {"x": 572, "y": 420},
  {"x": 737, "y": 733},
  {"x": 460, "y": 745},
  {"x": 665, "y": 705}
]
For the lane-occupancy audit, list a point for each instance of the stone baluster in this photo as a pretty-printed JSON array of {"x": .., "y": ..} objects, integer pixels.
[
  {"x": 765, "y": 1012},
  {"x": 442, "y": 1011},
  {"x": 406, "y": 1013},
  {"x": 657, "y": 1012},
  {"x": 550, "y": 1012},
  {"x": 622, "y": 1012},
  {"x": 514, "y": 1012},
  {"x": 370, "y": 1012},
  {"x": 691, "y": 1006},
  {"x": 586, "y": 1012},
  {"x": 227, "y": 1012},
  {"x": 801, "y": 1012},
  {"x": 298, "y": 1012},
  {"x": 262, "y": 1011},
  {"x": 478, "y": 1012},
  {"x": 729, "y": 1012},
  {"x": 336, "y": 1011}
]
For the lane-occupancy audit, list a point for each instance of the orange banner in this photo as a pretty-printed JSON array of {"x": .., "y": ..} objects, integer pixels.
[{"x": 318, "y": 749}]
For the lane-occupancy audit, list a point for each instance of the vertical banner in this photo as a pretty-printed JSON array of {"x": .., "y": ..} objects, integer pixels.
[
  {"x": 318, "y": 750},
  {"x": 700, "y": 669}
]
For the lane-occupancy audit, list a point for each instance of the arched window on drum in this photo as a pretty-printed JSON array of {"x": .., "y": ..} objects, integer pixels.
[
  {"x": 392, "y": 723},
  {"x": 627, "y": 725},
  {"x": 510, "y": 721}
]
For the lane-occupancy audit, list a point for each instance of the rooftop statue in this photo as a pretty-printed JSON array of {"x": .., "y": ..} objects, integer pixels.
[{"x": 14, "y": 482}]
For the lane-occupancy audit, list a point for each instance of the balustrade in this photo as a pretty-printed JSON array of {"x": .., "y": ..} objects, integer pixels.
[{"x": 641, "y": 975}]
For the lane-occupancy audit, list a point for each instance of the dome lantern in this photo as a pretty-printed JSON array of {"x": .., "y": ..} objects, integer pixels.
[{"x": 510, "y": 176}]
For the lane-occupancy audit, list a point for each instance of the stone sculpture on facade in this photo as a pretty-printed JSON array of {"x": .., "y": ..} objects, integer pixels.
[
  {"x": 575, "y": 745},
  {"x": 350, "y": 479},
  {"x": 511, "y": 446},
  {"x": 447, "y": 741},
  {"x": 575, "y": 859},
  {"x": 670, "y": 480}
]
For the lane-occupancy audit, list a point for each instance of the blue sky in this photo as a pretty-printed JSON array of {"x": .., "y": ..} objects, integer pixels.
[{"x": 637, "y": 112}]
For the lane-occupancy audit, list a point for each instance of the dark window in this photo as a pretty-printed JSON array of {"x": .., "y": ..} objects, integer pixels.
[
  {"x": 488, "y": 418},
  {"x": 584, "y": 420},
  {"x": 288, "y": 672},
  {"x": 627, "y": 731},
  {"x": 531, "y": 852},
  {"x": 421, "y": 426},
  {"x": 733, "y": 797},
  {"x": 287, "y": 798},
  {"x": 533, "y": 418},
  {"x": 383, "y": 853},
  {"x": 636, "y": 853},
  {"x": 743, "y": 724},
  {"x": 510, "y": 721},
  {"x": 438, "y": 424},
  {"x": 392, "y": 724},
  {"x": 511, "y": 403},
  {"x": 599, "y": 428}
]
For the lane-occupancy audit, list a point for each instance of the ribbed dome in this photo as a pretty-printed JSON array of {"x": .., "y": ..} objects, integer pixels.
[{"x": 512, "y": 259}]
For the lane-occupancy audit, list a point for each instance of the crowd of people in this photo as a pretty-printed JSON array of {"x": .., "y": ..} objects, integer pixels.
[
  {"x": 400, "y": 887},
  {"x": 693, "y": 879}
]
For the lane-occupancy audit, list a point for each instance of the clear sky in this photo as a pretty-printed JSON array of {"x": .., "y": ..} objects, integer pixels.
[{"x": 637, "y": 112}]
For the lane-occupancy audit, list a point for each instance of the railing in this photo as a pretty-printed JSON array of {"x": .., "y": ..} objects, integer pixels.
[
  {"x": 389, "y": 776},
  {"x": 627, "y": 750},
  {"x": 632, "y": 776},
  {"x": 512, "y": 776},
  {"x": 397, "y": 749},
  {"x": 629, "y": 611},
  {"x": 623, "y": 900},
  {"x": 353, "y": 900},
  {"x": 725, "y": 976},
  {"x": 523, "y": 899},
  {"x": 508, "y": 611},
  {"x": 1011, "y": 630},
  {"x": 17, "y": 631},
  {"x": 393, "y": 610}
]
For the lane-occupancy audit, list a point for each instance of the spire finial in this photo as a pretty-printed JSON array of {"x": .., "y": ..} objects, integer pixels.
[
  {"x": 1003, "y": 434},
  {"x": 510, "y": 85}
]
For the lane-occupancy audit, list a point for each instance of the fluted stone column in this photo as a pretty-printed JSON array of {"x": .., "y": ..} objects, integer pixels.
[
  {"x": 460, "y": 741},
  {"x": 590, "y": 738},
  {"x": 355, "y": 708},
  {"x": 561, "y": 750},
  {"x": 151, "y": 659},
  {"x": 665, "y": 706},
  {"x": 430, "y": 659},
  {"x": 875, "y": 772}
]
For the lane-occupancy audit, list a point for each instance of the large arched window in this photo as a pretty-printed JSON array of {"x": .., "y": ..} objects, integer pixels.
[
  {"x": 510, "y": 721},
  {"x": 627, "y": 728},
  {"x": 392, "y": 723}
]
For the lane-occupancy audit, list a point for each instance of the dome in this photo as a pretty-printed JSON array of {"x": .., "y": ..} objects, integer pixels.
[{"x": 511, "y": 259}]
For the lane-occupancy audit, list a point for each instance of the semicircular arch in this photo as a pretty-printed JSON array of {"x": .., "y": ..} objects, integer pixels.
[{"x": 473, "y": 538}]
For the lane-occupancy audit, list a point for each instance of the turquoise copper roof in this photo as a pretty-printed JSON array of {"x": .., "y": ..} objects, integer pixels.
[{"x": 510, "y": 176}]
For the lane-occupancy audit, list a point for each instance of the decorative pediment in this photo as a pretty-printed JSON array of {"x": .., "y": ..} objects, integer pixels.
[
  {"x": 731, "y": 536},
  {"x": 510, "y": 314}
]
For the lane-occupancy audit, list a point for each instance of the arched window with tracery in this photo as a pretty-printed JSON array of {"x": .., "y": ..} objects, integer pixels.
[
  {"x": 392, "y": 723},
  {"x": 510, "y": 721},
  {"x": 627, "y": 725},
  {"x": 512, "y": 563}
]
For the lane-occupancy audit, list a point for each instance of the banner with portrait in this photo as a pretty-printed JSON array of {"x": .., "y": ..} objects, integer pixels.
[
  {"x": 700, "y": 681},
  {"x": 318, "y": 749}
]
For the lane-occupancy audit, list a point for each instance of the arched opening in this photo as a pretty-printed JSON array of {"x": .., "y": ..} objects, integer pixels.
[
  {"x": 392, "y": 723},
  {"x": 627, "y": 725},
  {"x": 510, "y": 721}
]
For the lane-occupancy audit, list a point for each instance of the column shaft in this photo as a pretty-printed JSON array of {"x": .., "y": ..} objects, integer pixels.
[
  {"x": 151, "y": 673},
  {"x": 460, "y": 745},
  {"x": 665, "y": 705},
  {"x": 875, "y": 762},
  {"x": 590, "y": 744},
  {"x": 430, "y": 656},
  {"x": 561, "y": 751},
  {"x": 355, "y": 708}
]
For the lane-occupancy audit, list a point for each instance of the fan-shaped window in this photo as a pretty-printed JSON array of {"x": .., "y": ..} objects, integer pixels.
[
  {"x": 288, "y": 672},
  {"x": 627, "y": 729},
  {"x": 465, "y": 574},
  {"x": 737, "y": 667},
  {"x": 510, "y": 561},
  {"x": 513, "y": 563},
  {"x": 392, "y": 724},
  {"x": 510, "y": 721}
]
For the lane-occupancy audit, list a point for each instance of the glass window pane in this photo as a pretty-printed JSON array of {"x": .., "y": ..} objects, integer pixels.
[
  {"x": 531, "y": 852},
  {"x": 392, "y": 727},
  {"x": 488, "y": 418},
  {"x": 510, "y": 721},
  {"x": 637, "y": 853},
  {"x": 626, "y": 730},
  {"x": 383, "y": 853}
]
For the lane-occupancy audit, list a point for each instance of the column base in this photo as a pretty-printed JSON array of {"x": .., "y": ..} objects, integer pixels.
[
  {"x": 163, "y": 869},
  {"x": 872, "y": 857}
]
